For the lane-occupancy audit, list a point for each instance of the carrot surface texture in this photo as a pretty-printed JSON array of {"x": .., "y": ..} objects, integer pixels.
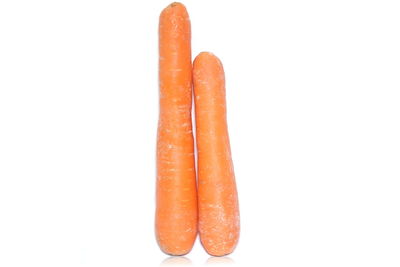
[
  {"x": 217, "y": 194},
  {"x": 176, "y": 196}
]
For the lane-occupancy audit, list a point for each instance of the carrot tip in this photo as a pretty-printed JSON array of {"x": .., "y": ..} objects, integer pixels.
[
  {"x": 175, "y": 253},
  {"x": 174, "y": 7},
  {"x": 206, "y": 53},
  {"x": 175, "y": 4}
]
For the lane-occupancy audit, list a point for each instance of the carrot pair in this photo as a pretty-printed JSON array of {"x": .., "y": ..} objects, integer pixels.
[{"x": 182, "y": 207}]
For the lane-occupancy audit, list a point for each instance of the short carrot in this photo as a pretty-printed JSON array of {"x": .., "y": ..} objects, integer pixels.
[
  {"x": 176, "y": 196},
  {"x": 217, "y": 194}
]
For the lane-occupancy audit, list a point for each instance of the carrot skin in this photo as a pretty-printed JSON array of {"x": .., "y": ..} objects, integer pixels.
[
  {"x": 217, "y": 194},
  {"x": 176, "y": 196}
]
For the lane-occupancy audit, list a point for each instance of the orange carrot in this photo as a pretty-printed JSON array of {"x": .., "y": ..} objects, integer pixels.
[
  {"x": 217, "y": 195},
  {"x": 176, "y": 196}
]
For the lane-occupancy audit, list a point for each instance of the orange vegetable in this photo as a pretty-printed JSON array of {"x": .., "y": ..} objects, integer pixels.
[
  {"x": 176, "y": 196},
  {"x": 217, "y": 195}
]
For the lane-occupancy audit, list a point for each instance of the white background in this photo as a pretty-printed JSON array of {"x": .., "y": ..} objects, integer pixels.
[{"x": 313, "y": 91}]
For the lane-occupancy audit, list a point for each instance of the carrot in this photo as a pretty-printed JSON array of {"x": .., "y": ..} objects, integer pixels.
[
  {"x": 217, "y": 195},
  {"x": 176, "y": 196}
]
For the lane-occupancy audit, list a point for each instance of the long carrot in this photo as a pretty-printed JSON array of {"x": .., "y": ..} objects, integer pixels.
[
  {"x": 176, "y": 196},
  {"x": 217, "y": 195}
]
